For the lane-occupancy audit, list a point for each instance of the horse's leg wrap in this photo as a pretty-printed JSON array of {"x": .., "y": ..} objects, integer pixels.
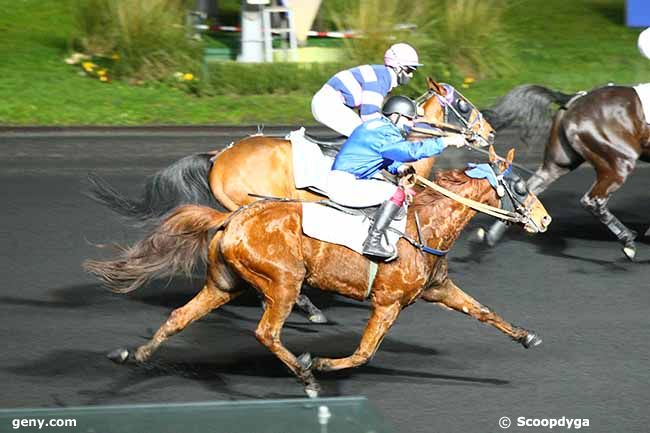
[{"x": 598, "y": 207}]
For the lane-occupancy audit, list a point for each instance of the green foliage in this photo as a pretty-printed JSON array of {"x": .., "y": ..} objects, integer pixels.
[
  {"x": 465, "y": 36},
  {"x": 267, "y": 78},
  {"x": 471, "y": 35},
  {"x": 148, "y": 36},
  {"x": 377, "y": 21}
]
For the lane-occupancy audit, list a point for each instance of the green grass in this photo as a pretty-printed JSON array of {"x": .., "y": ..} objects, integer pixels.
[{"x": 564, "y": 44}]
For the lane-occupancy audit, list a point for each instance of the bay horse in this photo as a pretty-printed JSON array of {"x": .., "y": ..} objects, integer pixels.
[
  {"x": 262, "y": 166},
  {"x": 605, "y": 127},
  {"x": 262, "y": 244}
]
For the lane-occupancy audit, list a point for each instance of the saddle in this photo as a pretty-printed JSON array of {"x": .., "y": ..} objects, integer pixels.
[
  {"x": 330, "y": 146},
  {"x": 326, "y": 220}
]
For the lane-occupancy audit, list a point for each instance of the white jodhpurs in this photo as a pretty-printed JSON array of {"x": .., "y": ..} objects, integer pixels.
[
  {"x": 344, "y": 188},
  {"x": 328, "y": 108}
]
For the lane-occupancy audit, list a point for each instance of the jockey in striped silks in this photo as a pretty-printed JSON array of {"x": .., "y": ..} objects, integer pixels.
[{"x": 363, "y": 87}]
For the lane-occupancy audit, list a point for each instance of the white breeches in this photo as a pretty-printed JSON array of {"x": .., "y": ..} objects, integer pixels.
[
  {"x": 328, "y": 108},
  {"x": 344, "y": 188}
]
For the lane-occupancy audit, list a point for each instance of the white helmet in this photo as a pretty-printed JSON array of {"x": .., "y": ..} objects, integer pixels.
[
  {"x": 644, "y": 43},
  {"x": 401, "y": 55}
]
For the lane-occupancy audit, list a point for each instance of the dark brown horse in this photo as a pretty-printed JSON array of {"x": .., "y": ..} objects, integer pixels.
[
  {"x": 262, "y": 166},
  {"x": 605, "y": 127},
  {"x": 262, "y": 244}
]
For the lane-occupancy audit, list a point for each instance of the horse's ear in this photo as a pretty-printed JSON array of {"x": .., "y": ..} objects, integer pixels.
[
  {"x": 510, "y": 156},
  {"x": 493, "y": 155},
  {"x": 436, "y": 87}
]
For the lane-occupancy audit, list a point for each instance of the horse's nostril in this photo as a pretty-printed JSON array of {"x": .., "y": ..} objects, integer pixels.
[{"x": 546, "y": 221}]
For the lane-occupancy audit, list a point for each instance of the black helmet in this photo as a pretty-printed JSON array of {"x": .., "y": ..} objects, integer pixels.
[{"x": 400, "y": 105}]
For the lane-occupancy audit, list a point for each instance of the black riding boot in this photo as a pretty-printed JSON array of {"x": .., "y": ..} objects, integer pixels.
[{"x": 372, "y": 245}]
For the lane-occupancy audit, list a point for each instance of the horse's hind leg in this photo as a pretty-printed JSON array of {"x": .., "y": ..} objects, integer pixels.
[
  {"x": 209, "y": 298},
  {"x": 270, "y": 326},
  {"x": 451, "y": 296},
  {"x": 608, "y": 180},
  {"x": 313, "y": 313},
  {"x": 380, "y": 321}
]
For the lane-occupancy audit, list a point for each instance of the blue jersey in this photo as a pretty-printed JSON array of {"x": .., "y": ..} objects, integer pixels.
[
  {"x": 378, "y": 144},
  {"x": 365, "y": 87}
]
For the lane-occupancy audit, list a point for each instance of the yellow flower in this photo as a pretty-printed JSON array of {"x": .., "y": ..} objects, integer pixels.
[
  {"x": 188, "y": 76},
  {"x": 101, "y": 72},
  {"x": 115, "y": 56},
  {"x": 446, "y": 73},
  {"x": 103, "y": 78},
  {"x": 88, "y": 66},
  {"x": 469, "y": 80},
  {"x": 465, "y": 86}
]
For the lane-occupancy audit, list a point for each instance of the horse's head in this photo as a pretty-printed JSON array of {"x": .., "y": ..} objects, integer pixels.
[
  {"x": 442, "y": 103},
  {"x": 515, "y": 196}
]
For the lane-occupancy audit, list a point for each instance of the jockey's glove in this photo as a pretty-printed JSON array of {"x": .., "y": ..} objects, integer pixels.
[
  {"x": 456, "y": 140},
  {"x": 405, "y": 170}
]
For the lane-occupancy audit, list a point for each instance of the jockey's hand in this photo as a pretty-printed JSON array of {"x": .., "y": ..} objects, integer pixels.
[
  {"x": 405, "y": 170},
  {"x": 456, "y": 140}
]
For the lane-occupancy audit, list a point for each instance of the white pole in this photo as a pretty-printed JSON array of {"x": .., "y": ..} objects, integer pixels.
[{"x": 252, "y": 40}]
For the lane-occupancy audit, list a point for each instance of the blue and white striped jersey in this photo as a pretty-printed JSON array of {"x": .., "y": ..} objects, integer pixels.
[{"x": 365, "y": 87}]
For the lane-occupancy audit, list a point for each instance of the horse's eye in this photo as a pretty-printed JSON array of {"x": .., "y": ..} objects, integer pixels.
[
  {"x": 463, "y": 106},
  {"x": 520, "y": 187}
]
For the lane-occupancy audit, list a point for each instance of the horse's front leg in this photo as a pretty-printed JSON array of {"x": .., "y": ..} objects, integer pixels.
[
  {"x": 451, "y": 296},
  {"x": 381, "y": 319}
]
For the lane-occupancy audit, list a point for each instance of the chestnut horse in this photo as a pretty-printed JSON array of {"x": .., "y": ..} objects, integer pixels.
[
  {"x": 261, "y": 165},
  {"x": 262, "y": 244},
  {"x": 605, "y": 127}
]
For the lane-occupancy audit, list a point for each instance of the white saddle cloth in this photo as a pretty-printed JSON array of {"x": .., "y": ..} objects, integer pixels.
[
  {"x": 331, "y": 225},
  {"x": 310, "y": 167},
  {"x": 643, "y": 90}
]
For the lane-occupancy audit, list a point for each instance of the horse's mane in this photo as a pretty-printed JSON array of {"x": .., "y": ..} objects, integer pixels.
[{"x": 449, "y": 179}]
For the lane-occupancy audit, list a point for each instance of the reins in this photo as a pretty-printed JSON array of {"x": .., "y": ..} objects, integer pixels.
[{"x": 473, "y": 204}]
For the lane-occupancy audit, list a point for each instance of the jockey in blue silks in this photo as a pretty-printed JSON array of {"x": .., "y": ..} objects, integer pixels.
[
  {"x": 375, "y": 145},
  {"x": 363, "y": 88}
]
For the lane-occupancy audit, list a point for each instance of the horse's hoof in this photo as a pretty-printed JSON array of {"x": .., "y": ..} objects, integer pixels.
[
  {"x": 317, "y": 318},
  {"x": 647, "y": 233},
  {"x": 480, "y": 234},
  {"x": 312, "y": 390},
  {"x": 305, "y": 361},
  {"x": 119, "y": 356},
  {"x": 630, "y": 251},
  {"x": 531, "y": 340}
]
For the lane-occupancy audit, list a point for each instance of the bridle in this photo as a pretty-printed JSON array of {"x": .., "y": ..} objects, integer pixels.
[
  {"x": 514, "y": 211},
  {"x": 466, "y": 126},
  {"x": 460, "y": 123}
]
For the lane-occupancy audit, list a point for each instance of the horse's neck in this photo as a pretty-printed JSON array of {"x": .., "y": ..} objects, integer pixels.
[
  {"x": 424, "y": 166},
  {"x": 443, "y": 220}
]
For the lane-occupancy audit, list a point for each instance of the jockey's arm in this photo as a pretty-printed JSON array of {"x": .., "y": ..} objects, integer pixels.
[{"x": 403, "y": 150}]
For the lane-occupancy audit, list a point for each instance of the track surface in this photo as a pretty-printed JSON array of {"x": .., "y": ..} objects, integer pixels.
[{"x": 437, "y": 371}]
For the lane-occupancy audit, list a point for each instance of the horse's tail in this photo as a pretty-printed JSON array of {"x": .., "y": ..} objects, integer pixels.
[
  {"x": 527, "y": 106},
  {"x": 183, "y": 182},
  {"x": 173, "y": 246}
]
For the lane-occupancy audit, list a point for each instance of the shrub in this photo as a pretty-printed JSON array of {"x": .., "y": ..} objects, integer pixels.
[
  {"x": 265, "y": 78},
  {"x": 148, "y": 36},
  {"x": 453, "y": 37}
]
